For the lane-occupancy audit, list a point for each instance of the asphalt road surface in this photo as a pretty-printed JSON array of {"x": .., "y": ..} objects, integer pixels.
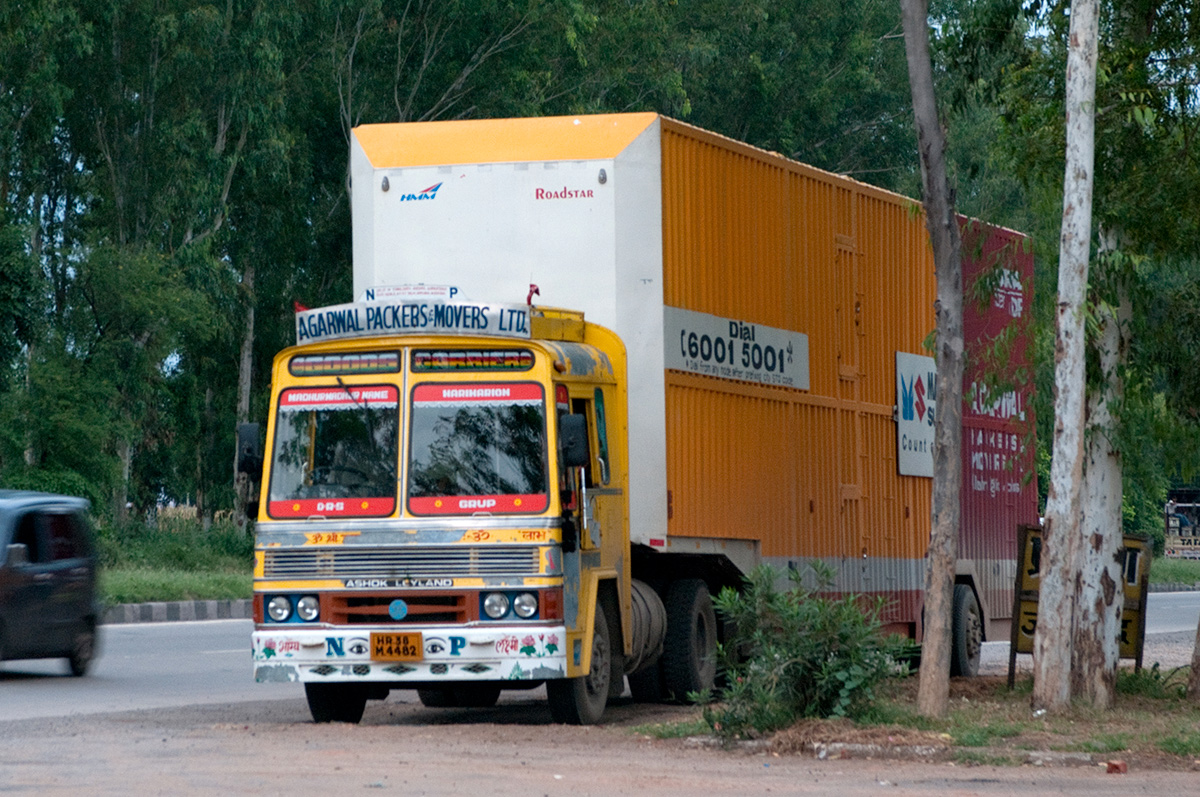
[
  {"x": 162, "y": 665},
  {"x": 172, "y": 708},
  {"x": 142, "y": 666}
]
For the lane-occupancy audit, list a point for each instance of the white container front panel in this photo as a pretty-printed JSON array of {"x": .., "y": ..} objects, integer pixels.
[{"x": 586, "y": 233}]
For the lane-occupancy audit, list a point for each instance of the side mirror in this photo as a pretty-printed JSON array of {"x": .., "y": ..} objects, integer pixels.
[
  {"x": 573, "y": 440},
  {"x": 249, "y": 450},
  {"x": 18, "y": 554}
]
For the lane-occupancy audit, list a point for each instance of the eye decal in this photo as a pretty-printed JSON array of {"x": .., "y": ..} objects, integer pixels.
[
  {"x": 358, "y": 646},
  {"x": 435, "y": 646}
]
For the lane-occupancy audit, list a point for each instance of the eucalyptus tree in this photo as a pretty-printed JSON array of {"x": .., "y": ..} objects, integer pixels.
[{"x": 824, "y": 83}]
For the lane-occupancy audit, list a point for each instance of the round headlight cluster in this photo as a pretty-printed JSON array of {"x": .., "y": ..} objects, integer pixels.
[
  {"x": 525, "y": 605},
  {"x": 281, "y": 607},
  {"x": 308, "y": 608},
  {"x": 496, "y": 605}
]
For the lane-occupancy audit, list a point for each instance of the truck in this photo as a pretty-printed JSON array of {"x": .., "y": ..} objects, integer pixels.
[
  {"x": 598, "y": 368},
  {"x": 1181, "y": 533}
]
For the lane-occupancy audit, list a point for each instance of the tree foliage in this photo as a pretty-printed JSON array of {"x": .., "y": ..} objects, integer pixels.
[{"x": 169, "y": 167}]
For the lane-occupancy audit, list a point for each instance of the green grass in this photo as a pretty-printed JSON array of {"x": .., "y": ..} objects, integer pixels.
[
  {"x": 979, "y": 759},
  {"x": 123, "y": 585},
  {"x": 179, "y": 560},
  {"x": 1105, "y": 743},
  {"x": 1166, "y": 571},
  {"x": 1183, "y": 744},
  {"x": 674, "y": 730},
  {"x": 975, "y": 734}
]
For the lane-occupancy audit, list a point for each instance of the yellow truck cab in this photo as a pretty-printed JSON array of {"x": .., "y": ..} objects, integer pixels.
[{"x": 444, "y": 507}]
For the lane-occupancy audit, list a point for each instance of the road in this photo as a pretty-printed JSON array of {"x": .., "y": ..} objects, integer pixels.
[
  {"x": 164, "y": 665},
  {"x": 173, "y": 707},
  {"x": 1172, "y": 612},
  {"x": 146, "y": 666}
]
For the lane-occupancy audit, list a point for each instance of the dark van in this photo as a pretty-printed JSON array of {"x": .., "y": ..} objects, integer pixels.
[{"x": 47, "y": 579}]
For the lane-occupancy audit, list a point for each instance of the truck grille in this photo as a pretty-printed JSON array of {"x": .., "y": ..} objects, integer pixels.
[
  {"x": 351, "y": 609},
  {"x": 411, "y": 563}
]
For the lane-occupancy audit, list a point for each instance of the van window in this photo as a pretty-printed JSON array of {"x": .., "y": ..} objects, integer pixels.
[{"x": 28, "y": 535}]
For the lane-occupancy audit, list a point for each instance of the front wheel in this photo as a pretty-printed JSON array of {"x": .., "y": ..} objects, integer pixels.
[
  {"x": 336, "y": 702},
  {"x": 581, "y": 701}
]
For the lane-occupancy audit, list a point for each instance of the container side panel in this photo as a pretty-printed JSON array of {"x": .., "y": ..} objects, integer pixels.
[
  {"x": 999, "y": 488},
  {"x": 810, "y": 473},
  {"x": 639, "y": 322}
]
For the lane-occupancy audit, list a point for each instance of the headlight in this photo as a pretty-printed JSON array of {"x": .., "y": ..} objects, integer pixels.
[
  {"x": 495, "y": 605},
  {"x": 525, "y": 605},
  {"x": 308, "y": 608},
  {"x": 279, "y": 608}
]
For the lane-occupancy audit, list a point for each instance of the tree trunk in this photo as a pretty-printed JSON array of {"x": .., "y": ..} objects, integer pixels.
[
  {"x": 241, "y": 482},
  {"x": 933, "y": 693},
  {"x": 1052, "y": 649},
  {"x": 120, "y": 494},
  {"x": 1101, "y": 594}
]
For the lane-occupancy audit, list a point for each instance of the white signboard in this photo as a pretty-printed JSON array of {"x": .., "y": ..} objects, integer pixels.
[
  {"x": 422, "y": 292},
  {"x": 367, "y": 319},
  {"x": 916, "y": 404},
  {"x": 731, "y": 349}
]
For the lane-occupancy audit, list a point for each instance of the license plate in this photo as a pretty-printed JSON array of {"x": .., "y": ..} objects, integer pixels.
[{"x": 397, "y": 647}]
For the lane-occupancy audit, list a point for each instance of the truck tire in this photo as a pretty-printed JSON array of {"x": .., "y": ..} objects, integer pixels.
[
  {"x": 689, "y": 660},
  {"x": 336, "y": 702},
  {"x": 966, "y": 642},
  {"x": 460, "y": 696},
  {"x": 581, "y": 701},
  {"x": 646, "y": 685}
]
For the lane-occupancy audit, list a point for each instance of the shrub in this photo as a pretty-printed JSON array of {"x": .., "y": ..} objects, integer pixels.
[
  {"x": 175, "y": 544},
  {"x": 796, "y": 653}
]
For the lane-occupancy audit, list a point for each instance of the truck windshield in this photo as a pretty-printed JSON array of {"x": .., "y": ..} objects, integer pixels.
[
  {"x": 335, "y": 452},
  {"x": 478, "y": 448}
]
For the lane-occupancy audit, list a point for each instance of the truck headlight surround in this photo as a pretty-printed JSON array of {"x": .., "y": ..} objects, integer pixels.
[
  {"x": 495, "y": 605},
  {"x": 525, "y": 605},
  {"x": 308, "y": 608},
  {"x": 279, "y": 608}
]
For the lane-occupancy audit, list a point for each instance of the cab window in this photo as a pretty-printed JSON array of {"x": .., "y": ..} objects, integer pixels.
[{"x": 478, "y": 447}]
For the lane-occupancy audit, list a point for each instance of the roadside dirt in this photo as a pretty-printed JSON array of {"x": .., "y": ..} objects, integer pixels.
[{"x": 514, "y": 749}]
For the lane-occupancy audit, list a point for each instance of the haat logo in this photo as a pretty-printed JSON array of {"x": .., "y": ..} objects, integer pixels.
[{"x": 428, "y": 193}]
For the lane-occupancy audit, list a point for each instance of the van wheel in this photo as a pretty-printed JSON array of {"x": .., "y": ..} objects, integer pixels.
[
  {"x": 336, "y": 702},
  {"x": 83, "y": 648},
  {"x": 966, "y": 643},
  {"x": 581, "y": 701},
  {"x": 689, "y": 660}
]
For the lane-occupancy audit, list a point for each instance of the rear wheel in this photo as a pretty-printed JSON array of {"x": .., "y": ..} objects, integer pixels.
[
  {"x": 966, "y": 642},
  {"x": 581, "y": 701},
  {"x": 83, "y": 649},
  {"x": 646, "y": 685},
  {"x": 336, "y": 702},
  {"x": 689, "y": 660}
]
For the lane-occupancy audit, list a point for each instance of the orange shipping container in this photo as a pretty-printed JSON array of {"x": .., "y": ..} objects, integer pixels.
[{"x": 775, "y": 316}]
